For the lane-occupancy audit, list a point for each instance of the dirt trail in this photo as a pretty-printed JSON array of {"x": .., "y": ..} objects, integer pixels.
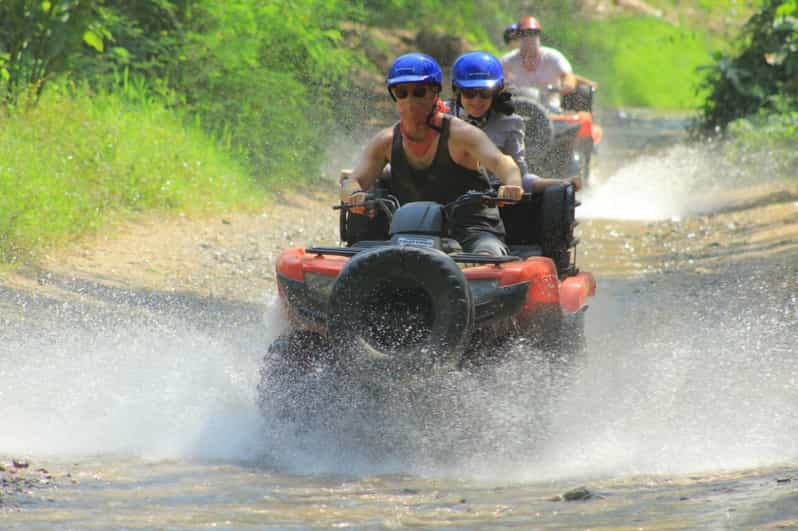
[
  {"x": 748, "y": 224},
  {"x": 229, "y": 255}
]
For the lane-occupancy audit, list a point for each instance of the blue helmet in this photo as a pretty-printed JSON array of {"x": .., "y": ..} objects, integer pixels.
[
  {"x": 414, "y": 68},
  {"x": 477, "y": 70}
]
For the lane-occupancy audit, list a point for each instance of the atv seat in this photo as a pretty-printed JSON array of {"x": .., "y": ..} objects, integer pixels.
[{"x": 525, "y": 251}]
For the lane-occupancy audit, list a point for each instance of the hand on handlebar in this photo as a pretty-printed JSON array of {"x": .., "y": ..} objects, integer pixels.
[
  {"x": 510, "y": 193},
  {"x": 351, "y": 194}
]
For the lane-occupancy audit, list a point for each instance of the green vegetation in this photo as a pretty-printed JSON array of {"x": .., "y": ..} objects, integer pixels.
[
  {"x": 761, "y": 73},
  {"x": 192, "y": 99},
  {"x": 77, "y": 160},
  {"x": 752, "y": 93}
]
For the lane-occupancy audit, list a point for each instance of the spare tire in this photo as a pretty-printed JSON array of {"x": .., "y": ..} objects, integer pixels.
[{"x": 408, "y": 307}]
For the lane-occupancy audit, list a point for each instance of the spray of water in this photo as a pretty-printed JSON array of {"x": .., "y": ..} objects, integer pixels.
[
  {"x": 682, "y": 373},
  {"x": 163, "y": 389},
  {"x": 673, "y": 183}
]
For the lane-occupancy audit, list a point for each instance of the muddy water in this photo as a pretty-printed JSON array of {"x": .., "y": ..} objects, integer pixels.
[{"x": 683, "y": 413}]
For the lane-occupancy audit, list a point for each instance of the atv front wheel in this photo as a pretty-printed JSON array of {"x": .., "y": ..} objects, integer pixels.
[{"x": 287, "y": 368}]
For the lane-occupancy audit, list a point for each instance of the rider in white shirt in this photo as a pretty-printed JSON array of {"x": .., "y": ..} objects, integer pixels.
[{"x": 533, "y": 65}]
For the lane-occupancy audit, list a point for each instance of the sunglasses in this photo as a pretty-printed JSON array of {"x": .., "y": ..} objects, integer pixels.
[
  {"x": 527, "y": 33},
  {"x": 417, "y": 92},
  {"x": 469, "y": 93}
]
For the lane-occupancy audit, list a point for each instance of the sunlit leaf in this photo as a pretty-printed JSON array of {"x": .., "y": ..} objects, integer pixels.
[{"x": 93, "y": 40}]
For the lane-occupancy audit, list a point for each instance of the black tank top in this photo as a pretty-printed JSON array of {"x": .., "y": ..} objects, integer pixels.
[{"x": 442, "y": 181}]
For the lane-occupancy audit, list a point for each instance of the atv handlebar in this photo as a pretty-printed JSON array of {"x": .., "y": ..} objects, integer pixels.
[
  {"x": 473, "y": 197},
  {"x": 387, "y": 204}
]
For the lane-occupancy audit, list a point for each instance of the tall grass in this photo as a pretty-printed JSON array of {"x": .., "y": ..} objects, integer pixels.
[{"x": 76, "y": 160}]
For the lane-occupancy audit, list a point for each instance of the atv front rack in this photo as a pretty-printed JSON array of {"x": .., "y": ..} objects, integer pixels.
[{"x": 466, "y": 258}]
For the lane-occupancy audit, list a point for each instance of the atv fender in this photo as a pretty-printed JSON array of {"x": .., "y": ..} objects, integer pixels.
[{"x": 575, "y": 290}]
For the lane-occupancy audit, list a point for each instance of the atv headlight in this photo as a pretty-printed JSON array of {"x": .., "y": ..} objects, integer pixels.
[{"x": 319, "y": 285}]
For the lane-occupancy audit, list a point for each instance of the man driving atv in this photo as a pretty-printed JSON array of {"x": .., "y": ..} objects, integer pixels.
[
  {"x": 435, "y": 157},
  {"x": 533, "y": 65},
  {"x": 480, "y": 99}
]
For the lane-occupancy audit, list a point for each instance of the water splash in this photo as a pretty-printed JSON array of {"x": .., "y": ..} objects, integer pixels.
[
  {"x": 672, "y": 184},
  {"x": 162, "y": 389}
]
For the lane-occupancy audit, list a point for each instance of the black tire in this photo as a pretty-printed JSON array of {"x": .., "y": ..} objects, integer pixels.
[
  {"x": 562, "y": 335},
  {"x": 422, "y": 285},
  {"x": 299, "y": 349},
  {"x": 585, "y": 169}
]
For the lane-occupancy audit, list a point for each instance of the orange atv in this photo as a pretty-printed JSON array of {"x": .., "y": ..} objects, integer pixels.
[
  {"x": 560, "y": 134},
  {"x": 402, "y": 294}
]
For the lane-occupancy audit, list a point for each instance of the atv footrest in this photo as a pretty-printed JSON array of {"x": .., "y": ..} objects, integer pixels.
[
  {"x": 482, "y": 259},
  {"x": 339, "y": 251}
]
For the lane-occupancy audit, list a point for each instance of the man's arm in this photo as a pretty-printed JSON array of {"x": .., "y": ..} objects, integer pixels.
[
  {"x": 567, "y": 77},
  {"x": 368, "y": 168}
]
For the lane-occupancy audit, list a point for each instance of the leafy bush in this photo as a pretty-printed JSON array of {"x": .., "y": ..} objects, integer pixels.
[
  {"x": 37, "y": 39},
  {"x": 765, "y": 67},
  {"x": 479, "y": 21},
  {"x": 262, "y": 75}
]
